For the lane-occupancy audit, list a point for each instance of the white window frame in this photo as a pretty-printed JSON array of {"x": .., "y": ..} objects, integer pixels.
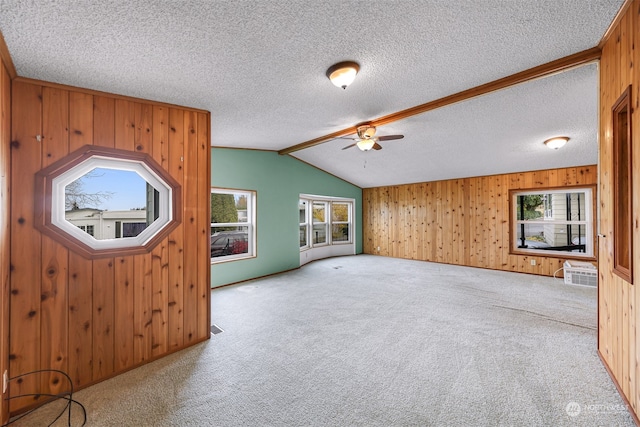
[
  {"x": 349, "y": 222},
  {"x": 86, "y": 229},
  {"x": 304, "y": 222},
  {"x": 250, "y": 224},
  {"x": 328, "y": 223},
  {"x": 588, "y": 222},
  {"x": 324, "y": 224},
  {"x": 59, "y": 183}
]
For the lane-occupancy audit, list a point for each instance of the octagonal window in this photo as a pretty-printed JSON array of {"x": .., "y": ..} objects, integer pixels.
[{"x": 108, "y": 201}]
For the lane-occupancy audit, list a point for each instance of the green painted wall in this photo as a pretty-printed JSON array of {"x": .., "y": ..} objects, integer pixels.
[{"x": 278, "y": 181}]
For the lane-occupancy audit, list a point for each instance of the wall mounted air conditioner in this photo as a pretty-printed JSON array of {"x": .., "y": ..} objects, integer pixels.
[{"x": 580, "y": 273}]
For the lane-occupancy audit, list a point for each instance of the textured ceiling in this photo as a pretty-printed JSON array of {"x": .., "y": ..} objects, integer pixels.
[{"x": 259, "y": 67}]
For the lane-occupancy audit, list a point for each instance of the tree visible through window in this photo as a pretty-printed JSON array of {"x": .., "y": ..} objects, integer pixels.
[
  {"x": 232, "y": 224},
  {"x": 325, "y": 222},
  {"x": 223, "y": 209},
  {"x": 340, "y": 223},
  {"x": 319, "y": 234}
]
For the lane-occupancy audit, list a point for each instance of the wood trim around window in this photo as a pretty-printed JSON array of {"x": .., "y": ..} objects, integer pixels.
[
  {"x": 43, "y": 200},
  {"x": 513, "y": 250},
  {"x": 622, "y": 188}
]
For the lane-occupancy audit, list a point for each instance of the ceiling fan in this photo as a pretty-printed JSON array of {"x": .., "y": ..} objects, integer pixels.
[{"x": 367, "y": 140}]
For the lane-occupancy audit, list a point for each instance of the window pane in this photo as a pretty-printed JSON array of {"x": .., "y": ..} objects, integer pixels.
[
  {"x": 530, "y": 206},
  {"x": 232, "y": 224},
  {"x": 339, "y": 212},
  {"x": 229, "y": 242},
  {"x": 556, "y": 221},
  {"x": 132, "y": 229},
  {"x": 553, "y": 206},
  {"x": 325, "y": 222},
  {"x": 229, "y": 207},
  {"x": 319, "y": 233},
  {"x": 303, "y": 236},
  {"x": 556, "y": 237},
  {"x": 319, "y": 212},
  {"x": 302, "y": 209},
  {"x": 340, "y": 232}
]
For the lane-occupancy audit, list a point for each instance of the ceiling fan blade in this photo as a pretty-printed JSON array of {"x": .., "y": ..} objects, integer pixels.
[
  {"x": 377, "y": 146},
  {"x": 389, "y": 137},
  {"x": 349, "y": 146}
]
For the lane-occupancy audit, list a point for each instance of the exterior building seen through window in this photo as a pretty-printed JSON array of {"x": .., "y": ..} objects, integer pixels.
[{"x": 554, "y": 222}]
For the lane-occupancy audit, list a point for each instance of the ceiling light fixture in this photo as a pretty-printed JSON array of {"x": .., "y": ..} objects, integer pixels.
[
  {"x": 366, "y": 131},
  {"x": 366, "y": 144},
  {"x": 342, "y": 74},
  {"x": 556, "y": 142}
]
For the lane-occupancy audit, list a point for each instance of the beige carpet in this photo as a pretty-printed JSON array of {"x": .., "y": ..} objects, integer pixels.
[{"x": 374, "y": 341}]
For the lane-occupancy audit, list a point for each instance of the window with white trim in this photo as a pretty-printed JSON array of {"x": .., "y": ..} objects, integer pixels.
[
  {"x": 319, "y": 223},
  {"x": 233, "y": 216},
  {"x": 304, "y": 228},
  {"x": 325, "y": 222},
  {"x": 87, "y": 229},
  {"x": 555, "y": 223},
  {"x": 340, "y": 222}
]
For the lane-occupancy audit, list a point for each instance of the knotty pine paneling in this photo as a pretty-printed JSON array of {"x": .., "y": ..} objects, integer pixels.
[
  {"x": 617, "y": 299},
  {"x": 175, "y": 320},
  {"x": 5, "y": 173},
  {"x": 26, "y": 248},
  {"x": 459, "y": 221},
  {"x": 55, "y": 257},
  {"x": 96, "y": 318}
]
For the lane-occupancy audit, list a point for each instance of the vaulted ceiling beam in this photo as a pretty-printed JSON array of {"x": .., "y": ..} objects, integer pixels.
[{"x": 544, "y": 70}]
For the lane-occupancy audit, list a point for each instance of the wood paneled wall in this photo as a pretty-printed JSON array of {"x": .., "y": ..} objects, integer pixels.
[
  {"x": 618, "y": 300},
  {"x": 95, "y": 319},
  {"x": 5, "y": 134},
  {"x": 459, "y": 221}
]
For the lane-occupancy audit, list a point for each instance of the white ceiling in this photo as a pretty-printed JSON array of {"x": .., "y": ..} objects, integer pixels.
[{"x": 259, "y": 67}]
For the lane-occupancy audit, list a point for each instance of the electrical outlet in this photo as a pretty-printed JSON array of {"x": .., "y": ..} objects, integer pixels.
[
  {"x": 533, "y": 262},
  {"x": 5, "y": 381}
]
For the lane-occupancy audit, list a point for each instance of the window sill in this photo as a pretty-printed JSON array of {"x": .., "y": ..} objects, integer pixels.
[
  {"x": 553, "y": 254},
  {"x": 221, "y": 260}
]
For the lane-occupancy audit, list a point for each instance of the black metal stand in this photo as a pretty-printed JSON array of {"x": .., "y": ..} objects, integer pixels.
[{"x": 67, "y": 395}]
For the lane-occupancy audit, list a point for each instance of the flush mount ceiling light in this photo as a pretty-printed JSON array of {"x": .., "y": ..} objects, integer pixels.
[
  {"x": 556, "y": 142},
  {"x": 342, "y": 74}
]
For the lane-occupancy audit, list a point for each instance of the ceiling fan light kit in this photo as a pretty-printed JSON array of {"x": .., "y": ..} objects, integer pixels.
[
  {"x": 367, "y": 140},
  {"x": 556, "y": 142},
  {"x": 366, "y": 131},
  {"x": 366, "y": 144},
  {"x": 343, "y": 74}
]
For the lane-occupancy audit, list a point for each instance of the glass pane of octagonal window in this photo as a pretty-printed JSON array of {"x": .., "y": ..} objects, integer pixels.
[{"x": 111, "y": 203}]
